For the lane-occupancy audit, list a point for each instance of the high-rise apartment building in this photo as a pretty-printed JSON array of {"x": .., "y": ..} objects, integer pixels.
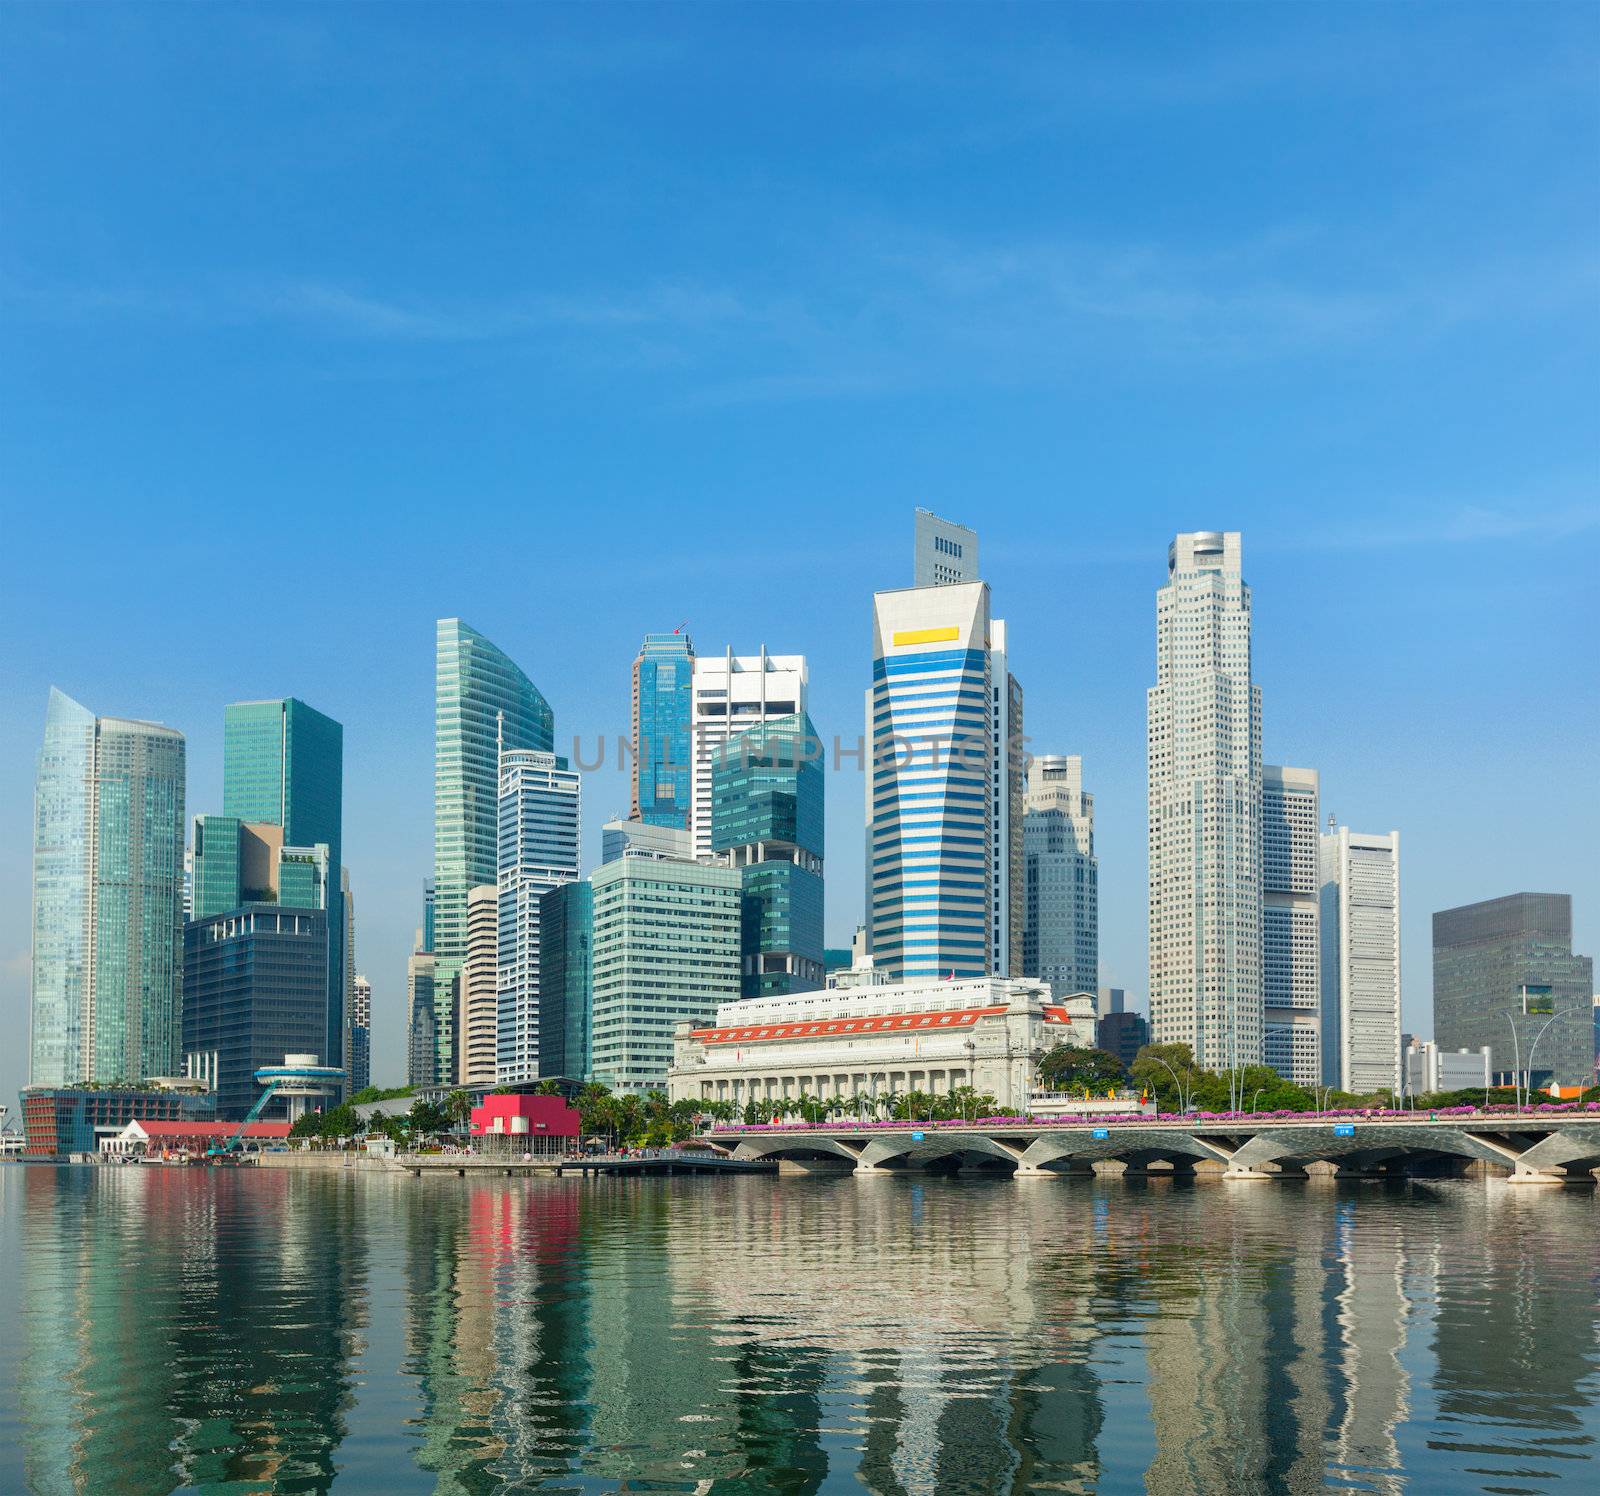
[
  {"x": 667, "y": 938},
  {"x": 663, "y": 710},
  {"x": 566, "y": 981},
  {"x": 360, "y": 1034},
  {"x": 1061, "y": 923},
  {"x": 945, "y": 552},
  {"x": 1360, "y": 960},
  {"x": 1204, "y": 754},
  {"x": 483, "y": 704},
  {"x": 283, "y": 764},
  {"x": 480, "y": 991},
  {"x": 539, "y": 831},
  {"x": 1507, "y": 965},
  {"x": 931, "y": 834},
  {"x": 107, "y": 968},
  {"x": 1291, "y": 984},
  {"x": 731, "y": 694},
  {"x": 766, "y": 819}
]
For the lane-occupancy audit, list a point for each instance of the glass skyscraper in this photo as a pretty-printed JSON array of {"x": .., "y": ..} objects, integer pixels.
[
  {"x": 107, "y": 981},
  {"x": 766, "y": 816},
  {"x": 283, "y": 764},
  {"x": 481, "y": 700},
  {"x": 566, "y": 981},
  {"x": 934, "y": 855},
  {"x": 538, "y": 848},
  {"x": 1061, "y": 935},
  {"x": 663, "y": 681}
]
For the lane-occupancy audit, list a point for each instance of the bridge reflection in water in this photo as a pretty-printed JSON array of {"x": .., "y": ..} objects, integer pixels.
[
  {"x": 267, "y": 1331},
  {"x": 1531, "y": 1148}
]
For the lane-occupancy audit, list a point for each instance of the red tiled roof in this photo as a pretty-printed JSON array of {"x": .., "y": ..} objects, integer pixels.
[
  {"x": 212, "y": 1129},
  {"x": 911, "y": 1023}
]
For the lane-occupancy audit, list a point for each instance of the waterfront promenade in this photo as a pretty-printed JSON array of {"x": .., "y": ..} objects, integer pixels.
[{"x": 1531, "y": 1147}]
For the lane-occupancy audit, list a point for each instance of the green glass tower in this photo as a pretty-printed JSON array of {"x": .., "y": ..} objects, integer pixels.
[
  {"x": 766, "y": 815},
  {"x": 482, "y": 702},
  {"x": 283, "y": 763}
]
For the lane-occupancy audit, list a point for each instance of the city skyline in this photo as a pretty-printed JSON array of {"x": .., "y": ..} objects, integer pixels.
[{"x": 723, "y": 417}]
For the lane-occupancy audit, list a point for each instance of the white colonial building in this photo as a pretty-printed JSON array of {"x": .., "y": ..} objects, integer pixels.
[{"x": 933, "y": 1037}]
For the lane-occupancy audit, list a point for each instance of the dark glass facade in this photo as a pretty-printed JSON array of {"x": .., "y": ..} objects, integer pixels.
[
  {"x": 72, "y": 1119},
  {"x": 1122, "y": 1034},
  {"x": 566, "y": 982},
  {"x": 255, "y": 990},
  {"x": 766, "y": 814},
  {"x": 1484, "y": 955}
]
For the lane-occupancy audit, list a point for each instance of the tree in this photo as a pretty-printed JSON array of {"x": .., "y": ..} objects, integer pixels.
[
  {"x": 1153, "y": 1070},
  {"x": 426, "y": 1119},
  {"x": 458, "y": 1108},
  {"x": 341, "y": 1122},
  {"x": 378, "y": 1093},
  {"x": 307, "y": 1125},
  {"x": 1068, "y": 1066}
]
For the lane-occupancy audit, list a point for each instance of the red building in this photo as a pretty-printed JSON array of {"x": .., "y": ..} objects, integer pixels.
[
  {"x": 150, "y": 1137},
  {"x": 531, "y": 1124}
]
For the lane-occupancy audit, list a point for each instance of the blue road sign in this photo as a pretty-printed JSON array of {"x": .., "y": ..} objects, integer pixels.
[
  {"x": 1102, "y": 1132},
  {"x": 917, "y": 1137},
  {"x": 1344, "y": 1130}
]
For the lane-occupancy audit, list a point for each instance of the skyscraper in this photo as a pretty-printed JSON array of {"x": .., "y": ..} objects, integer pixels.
[
  {"x": 480, "y": 997},
  {"x": 945, "y": 552},
  {"x": 1061, "y": 924},
  {"x": 766, "y": 817},
  {"x": 566, "y": 981},
  {"x": 1360, "y": 930},
  {"x": 108, "y": 831},
  {"x": 1290, "y": 969},
  {"x": 361, "y": 1035},
  {"x": 482, "y": 702},
  {"x": 1205, "y": 809},
  {"x": 666, "y": 950},
  {"x": 538, "y": 848},
  {"x": 930, "y": 792},
  {"x": 663, "y": 695},
  {"x": 431, "y": 1022},
  {"x": 731, "y": 694},
  {"x": 1506, "y": 965},
  {"x": 1007, "y": 789},
  {"x": 283, "y": 763}
]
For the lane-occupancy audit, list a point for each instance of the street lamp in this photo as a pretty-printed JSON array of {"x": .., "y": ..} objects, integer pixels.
[
  {"x": 1561, "y": 1013},
  {"x": 1516, "y": 1056},
  {"x": 1178, "y": 1083},
  {"x": 1256, "y": 1098}
]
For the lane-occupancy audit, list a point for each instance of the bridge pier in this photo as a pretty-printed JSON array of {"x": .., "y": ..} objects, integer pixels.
[
  {"x": 1246, "y": 1173},
  {"x": 1534, "y": 1176}
]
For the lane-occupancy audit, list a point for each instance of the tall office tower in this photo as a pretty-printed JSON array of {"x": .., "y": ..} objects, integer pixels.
[
  {"x": 931, "y": 876},
  {"x": 1291, "y": 981},
  {"x": 347, "y": 899},
  {"x": 1506, "y": 966},
  {"x": 361, "y": 1035},
  {"x": 538, "y": 848},
  {"x": 666, "y": 841},
  {"x": 732, "y": 693},
  {"x": 945, "y": 551},
  {"x": 766, "y": 818},
  {"x": 427, "y": 916},
  {"x": 566, "y": 981},
  {"x": 432, "y": 1022},
  {"x": 1061, "y": 924},
  {"x": 283, "y": 763},
  {"x": 255, "y": 990},
  {"x": 1205, "y": 809},
  {"x": 666, "y": 951},
  {"x": 480, "y": 991},
  {"x": 1007, "y": 789},
  {"x": 482, "y": 704},
  {"x": 663, "y": 706},
  {"x": 106, "y": 989},
  {"x": 1360, "y": 961}
]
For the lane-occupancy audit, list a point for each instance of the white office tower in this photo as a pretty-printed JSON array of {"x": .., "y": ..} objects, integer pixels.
[
  {"x": 477, "y": 1053},
  {"x": 1291, "y": 978},
  {"x": 1205, "y": 809},
  {"x": 538, "y": 848},
  {"x": 731, "y": 694},
  {"x": 1061, "y": 929},
  {"x": 1361, "y": 960},
  {"x": 945, "y": 551},
  {"x": 930, "y": 785}
]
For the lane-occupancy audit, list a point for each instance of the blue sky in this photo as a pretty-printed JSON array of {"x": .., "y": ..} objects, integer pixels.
[{"x": 322, "y": 322}]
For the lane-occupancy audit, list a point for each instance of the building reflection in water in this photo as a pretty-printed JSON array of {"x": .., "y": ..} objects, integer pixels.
[{"x": 897, "y": 1336}]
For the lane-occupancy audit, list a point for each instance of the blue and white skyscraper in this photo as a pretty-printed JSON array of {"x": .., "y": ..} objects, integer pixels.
[
  {"x": 930, "y": 783},
  {"x": 107, "y": 974},
  {"x": 538, "y": 850},
  {"x": 663, "y": 697}
]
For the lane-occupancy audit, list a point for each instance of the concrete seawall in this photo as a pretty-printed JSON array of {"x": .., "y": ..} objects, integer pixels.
[{"x": 329, "y": 1162}]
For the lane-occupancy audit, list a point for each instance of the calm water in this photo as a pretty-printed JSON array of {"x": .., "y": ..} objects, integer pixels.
[{"x": 171, "y": 1329}]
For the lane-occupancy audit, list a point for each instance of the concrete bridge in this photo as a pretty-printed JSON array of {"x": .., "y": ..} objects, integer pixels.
[{"x": 1528, "y": 1149}]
